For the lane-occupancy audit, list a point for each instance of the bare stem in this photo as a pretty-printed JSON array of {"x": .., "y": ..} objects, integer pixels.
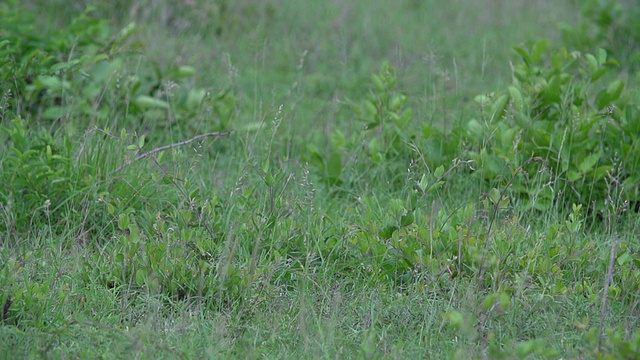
[{"x": 174, "y": 145}]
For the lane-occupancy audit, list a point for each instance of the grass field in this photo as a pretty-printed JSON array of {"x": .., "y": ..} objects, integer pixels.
[{"x": 375, "y": 179}]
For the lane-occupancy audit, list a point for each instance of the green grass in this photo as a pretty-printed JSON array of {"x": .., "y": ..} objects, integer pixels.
[{"x": 300, "y": 234}]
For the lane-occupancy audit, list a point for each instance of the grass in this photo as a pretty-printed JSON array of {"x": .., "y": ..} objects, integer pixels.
[{"x": 291, "y": 237}]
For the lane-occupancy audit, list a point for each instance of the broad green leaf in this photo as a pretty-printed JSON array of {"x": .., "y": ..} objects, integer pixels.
[
  {"x": 64, "y": 65},
  {"x": 269, "y": 180},
  {"x": 371, "y": 110},
  {"x": 148, "y": 102},
  {"x": 194, "y": 99},
  {"x": 498, "y": 108},
  {"x": 126, "y": 31},
  {"x": 51, "y": 83},
  {"x": 587, "y": 164},
  {"x": 483, "y": 100},
  {"x": 378, "y": 84},
  {"x": 141, "y": 276},
  {"x": 593, "y": 63},
  {"x": 334, "y": 165},
  {"x": 423, "y": 183},
  {"x": 524, "y": 54},
  {"x": 539, "y": 48},
  {"x": 397, "y": 101},
  {"x": 186, "y": 71},
  {"x": 435, "y": 186},
  {"x": 573, "y": 175},
  {"x": 338, "y": 140},
  {"x": 598, "y": 74},
  {"x": 488, "y": 302},
  {"x": 622, "y": 259},
  {"x": 518, "y": 99},
  {"x": 615, "y": 89},
  {"x": 407, "y": 219},
  {"x": 438, "y": 172},
  {"x": 387, "y": 232},
  {"x": 552, "y": 91},
  {"x": 602, "y": 56},
  {"x": 123, "y": 222},
  {"x": 494, "y": 195},
  {"x": 475, "y": 129},
  {"x": 526, "y": 348},
  {"x": 56, "y": 112}
]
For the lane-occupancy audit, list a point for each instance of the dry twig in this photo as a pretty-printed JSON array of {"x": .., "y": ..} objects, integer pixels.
[{"x": 174, "y": 145}]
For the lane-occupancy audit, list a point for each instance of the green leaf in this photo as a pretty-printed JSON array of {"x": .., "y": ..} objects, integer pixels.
[
  {"x": 186, "y": 71},
  {"x": 423, "y": 183},
  {"x": 523, "y": 54},
  {"x": 48, "y": 82},
  {"x": 269, "y": 180},
  {"x": 475, "y": 129},
  {"x": 435, "y": 186},
  {"x": 56, "y": 112},
  {"x": 518, "y": 99},
  {"x": 338, "y": 140},
  {"x": 488, "y": 302},
  {"x": 539, "y": 48},
  {"x": 573, "y": 175},
  {"x": 525, "y": 349},
  {"x": 64, "y": 65},
  {"x": 378, "y": 84},
  {"x": 407, "y": 219},
  {"x": 494, "y": 195},
  {"x": 456, "y": 318},
  {"x": 334, "y": 165},
  {"x": 147, "y": 102},
  {"x": 387, "y": 232},
  {"x": 123, "y": 222},
  {"x": 587, "y": 164},
  {"x": 593, "y": 63},
  {"x": 498, "y": 108},
  {"x": 483, "y": 100},
  {"x": 615, "y": 89},
  {"x": 622, "y": 259},
  {"x": 397, "y": 101},
  {"x": 141, "y": 276},
  {"x": 552, "y": 91},
  {"x": 505, "y": 300},
  {"x": 194, "y": 99},
  {"x": 602, "y": 56},
  {"x": 439, "y": 172}
]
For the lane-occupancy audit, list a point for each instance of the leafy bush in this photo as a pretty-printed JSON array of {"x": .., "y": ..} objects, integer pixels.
[
  {"x": 388, "y": 134},
  {"x": 63, "y": 91},
  {"x": 608, "y": 24},
  {"x": 581, "y": 134}
]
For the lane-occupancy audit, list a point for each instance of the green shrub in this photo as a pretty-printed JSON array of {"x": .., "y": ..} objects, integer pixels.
[
  {"x": 61, "y": 94},
  {"x": 607, "y": 24},
  {"x": 581, "y": 134}
]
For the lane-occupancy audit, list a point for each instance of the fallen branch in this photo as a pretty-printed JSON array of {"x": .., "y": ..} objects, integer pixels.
[{"x": 174, "y": 145}]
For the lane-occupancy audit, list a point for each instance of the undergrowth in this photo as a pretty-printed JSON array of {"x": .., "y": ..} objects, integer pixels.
[{"x": 141, "y": 215}]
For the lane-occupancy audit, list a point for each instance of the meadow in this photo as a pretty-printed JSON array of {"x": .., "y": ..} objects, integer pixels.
[{"x": 302, "y": 179}]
